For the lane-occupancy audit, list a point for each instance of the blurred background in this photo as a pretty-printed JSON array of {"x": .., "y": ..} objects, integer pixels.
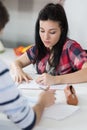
[{"x": 23, "y": 15}]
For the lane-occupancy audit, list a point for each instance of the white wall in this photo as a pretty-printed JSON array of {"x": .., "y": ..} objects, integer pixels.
[
  {"x": 23, "y": 14},
  {"x": 10, "y": 31},
  {"x": 76, "y": 11}
]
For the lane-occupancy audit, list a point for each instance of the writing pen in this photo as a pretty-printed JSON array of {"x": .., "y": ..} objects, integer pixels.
[{"x": 43, "y": 88}]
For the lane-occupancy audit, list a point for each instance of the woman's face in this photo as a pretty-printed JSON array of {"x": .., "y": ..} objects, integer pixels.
[{"x": 50, "y": 32}]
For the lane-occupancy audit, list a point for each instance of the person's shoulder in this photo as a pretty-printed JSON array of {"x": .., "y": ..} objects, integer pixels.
[
  {"x": 31, "y": 49},
  {"x": 2, "y": 65},
  {"x": 71, "y": 42}
]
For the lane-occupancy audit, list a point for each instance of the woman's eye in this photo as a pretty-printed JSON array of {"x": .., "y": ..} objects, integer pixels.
[
  {"x": 52, "y": 32},
  {"x": 41, "y": 31}
]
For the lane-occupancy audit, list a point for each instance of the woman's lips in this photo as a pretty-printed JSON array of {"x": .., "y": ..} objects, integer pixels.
[{"x": 47, "y": 42}]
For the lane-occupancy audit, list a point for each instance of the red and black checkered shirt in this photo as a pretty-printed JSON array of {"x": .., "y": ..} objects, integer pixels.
[{"x": 72, "y": 58}]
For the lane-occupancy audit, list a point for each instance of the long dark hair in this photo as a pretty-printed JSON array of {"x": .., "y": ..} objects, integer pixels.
[
  {"x": 4, "y": 16},
  {"x": 54, "y": 12}
]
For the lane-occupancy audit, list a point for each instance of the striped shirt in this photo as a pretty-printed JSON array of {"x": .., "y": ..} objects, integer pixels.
[{"x": 13, "y": 103}]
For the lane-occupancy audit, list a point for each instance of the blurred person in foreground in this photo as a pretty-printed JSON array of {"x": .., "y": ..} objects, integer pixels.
[{"x": 12, "y": 102}]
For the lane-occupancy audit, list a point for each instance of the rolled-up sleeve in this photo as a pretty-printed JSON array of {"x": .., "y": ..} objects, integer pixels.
[
  {"x": 32, "y": 52},
  {"x": 77, "y": 55}
]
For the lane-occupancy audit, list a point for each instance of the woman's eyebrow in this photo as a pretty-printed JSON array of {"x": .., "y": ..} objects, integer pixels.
[{"x": 49, "y": 29}]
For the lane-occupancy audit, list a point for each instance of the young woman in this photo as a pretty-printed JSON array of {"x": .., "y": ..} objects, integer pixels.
[{"x": 58, "y": 59}]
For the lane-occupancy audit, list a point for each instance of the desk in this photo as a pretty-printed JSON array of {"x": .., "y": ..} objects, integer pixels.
[{"x": 77, "y": 121}]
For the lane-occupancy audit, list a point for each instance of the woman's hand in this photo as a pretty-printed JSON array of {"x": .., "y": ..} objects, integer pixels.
[
  {"x": 19, "y": 75},
  {"x": 45, "y": 79}
]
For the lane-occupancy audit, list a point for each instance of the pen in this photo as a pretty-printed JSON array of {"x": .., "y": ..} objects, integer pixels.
[{"x": 43, "y": 88}]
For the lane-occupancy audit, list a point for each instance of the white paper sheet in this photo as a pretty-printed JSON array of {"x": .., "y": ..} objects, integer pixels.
[
  {"x": 33, "y": 85},
  {"x": 60, "y": 111}
]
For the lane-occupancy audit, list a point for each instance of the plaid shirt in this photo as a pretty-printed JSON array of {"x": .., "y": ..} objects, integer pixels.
[{"x": 72, "y": 58}]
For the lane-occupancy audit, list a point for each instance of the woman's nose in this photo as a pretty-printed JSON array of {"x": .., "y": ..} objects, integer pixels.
[{"x": 46, "y": 36}]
